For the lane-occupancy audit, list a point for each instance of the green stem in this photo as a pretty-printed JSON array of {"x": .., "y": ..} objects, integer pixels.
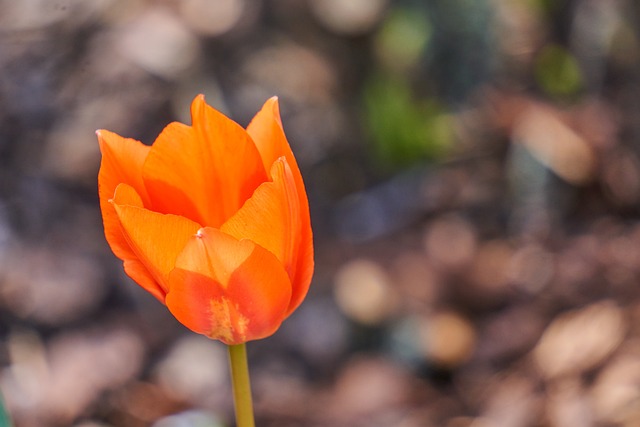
[{"x": 241, "y": 385}]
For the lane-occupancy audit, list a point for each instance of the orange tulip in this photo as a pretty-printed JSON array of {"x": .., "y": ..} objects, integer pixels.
[{"x": 212, "y": 220}]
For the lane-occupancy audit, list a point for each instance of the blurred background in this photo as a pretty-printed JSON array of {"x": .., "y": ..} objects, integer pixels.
[{"x": 473, "y": 172}]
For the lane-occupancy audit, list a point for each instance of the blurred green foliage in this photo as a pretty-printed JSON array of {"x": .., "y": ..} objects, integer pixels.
[
  {"x": 548, "y": 7},
  {"x": 404, "y": 130},
  {"x": 557, "y": 72},
  {"x": 5, "y": 421},
  {"x": 403, "y": 38}
]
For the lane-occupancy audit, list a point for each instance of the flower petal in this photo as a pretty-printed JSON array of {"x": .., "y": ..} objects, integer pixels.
[
  {"x": 155, "y": 239},
  {"x": 122, "y": 160},
  {"x": 271, "y": 218},
  {"x": 126, "y": 195},
  {"x": 269, "y": 137},
  {"x": 172, "y": 187},
  {"x": 231, "y": 290},
  {"x": 267, "y": 133},
  {"x": 141, "y": 275},
  {"x": 204, "y": 172}
]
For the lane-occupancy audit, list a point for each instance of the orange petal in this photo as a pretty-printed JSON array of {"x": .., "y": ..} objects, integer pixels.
[
  {"x": 168, "y": 181},
  {"x": 126, "y": 195},
  {"x": 305, "y": 265},
  {"x": 271, "y": 218},
  {"x": 122, "y": 160},
  {"x": 231, "y": 290},
  {"x": 268, "y": 135},
  {"x": 204, "y": 172},
  {"x": 141, "y": 275},
  {"x": 155, "y": 239}
]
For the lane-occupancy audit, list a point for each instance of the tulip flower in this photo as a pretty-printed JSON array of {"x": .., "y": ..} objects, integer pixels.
[{"x": 212, "y": 220}]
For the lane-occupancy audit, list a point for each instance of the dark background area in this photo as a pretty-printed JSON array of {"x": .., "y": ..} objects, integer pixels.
[{"x": 473, "y": 173}]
